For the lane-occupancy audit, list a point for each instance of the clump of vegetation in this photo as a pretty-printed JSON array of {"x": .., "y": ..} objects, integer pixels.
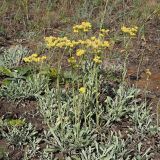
[
  {"x": 77, "y": 118},
  {"x": 27, "y": 88},
  {"x": 85, "y": 108},
  {"x": 13, "y": 56}
]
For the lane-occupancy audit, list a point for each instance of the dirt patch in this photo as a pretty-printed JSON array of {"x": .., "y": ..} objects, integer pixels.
[{"x": 25, "y": 109}]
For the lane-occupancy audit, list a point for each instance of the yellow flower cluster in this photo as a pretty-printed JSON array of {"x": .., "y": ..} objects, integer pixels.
[
  {"x": 90, "y": 44},
  {"x": 96, "y": 43},
  {"x": 58, "y": 42},
  {"x": 34, "y": 58},
  {"x": 82, "y": 90},
  {"x": 72, "y": 60},
  {"x": 53, "y": 72},
  {"x": 80, "y": 52},
  {"x": 97, "y": 59},
  {"x": 84, "y": 26},
  {"x": 132, "y": 31},
  {"x": 103, "y": 32}
]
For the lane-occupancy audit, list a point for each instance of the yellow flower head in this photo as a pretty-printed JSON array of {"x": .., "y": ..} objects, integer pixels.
[
  {"x": 80, "y": 52},
  {"x": 104, "y": 31},
  {"x": 27, "y": 59},
  {"x": 132, "y": 31},
  {"x": 50, "y": 41},
  {"x": 125, "y": 29},
  {"x": 43, "y": 58},
  {"x": 84, "y": 26},
  {"x": 93, "y": 38},
  {"x": 34, "y": 55},
  {"x": 75, "y": 30},
  {"x": 97, "y": 59},
  {"x": 53, "y": 72},
  {"x": 82, "y": 90},
  {"x": 34, "y": 58},
  {"x": 72, "y": 60},
  {"x": 101, "y": 35},
  {"x": 105, "y": 44},
  {"x": 58, "y": 42}
]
